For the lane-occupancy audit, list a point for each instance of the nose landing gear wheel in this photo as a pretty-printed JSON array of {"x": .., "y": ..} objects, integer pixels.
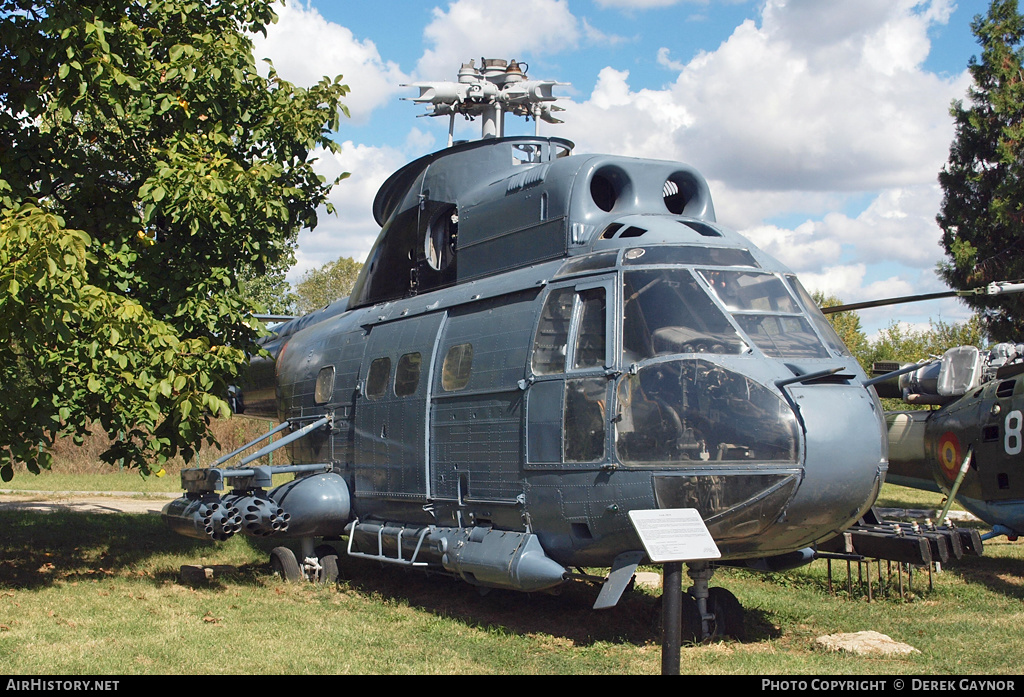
[
  {"x": 728, "y": 613},
  {"x": 691, "y": 631},
  {"x": 285, "y": 565}
]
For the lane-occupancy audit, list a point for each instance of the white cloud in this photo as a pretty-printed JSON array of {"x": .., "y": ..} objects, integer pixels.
[
  {"x": 666, "y": 62},
  {"x": 352, "y": 231},
  {"x": 641, "y": 4},
  {"x": 779, "y": 107},
  {"x": 301, "y": 32},
  {"x": 495, "y": 28},
  {"x": 817, "y": 109},
  {"x": 596, "y": 36},
  {"x": 898, "y": 226},
  {"x": 796, "y": 248},
  {"x": 618, "y": 120},
  {"x": 648, "y": 4}
]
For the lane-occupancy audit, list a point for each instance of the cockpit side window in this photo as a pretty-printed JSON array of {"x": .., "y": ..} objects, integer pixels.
[
  {"x": 590, "y": 331},
  {"x": 552, "y": 339},
  {"x": 572, "y": 331},
  {"x": 824, "y": 326},
  {"x": 666, "y": 311}
]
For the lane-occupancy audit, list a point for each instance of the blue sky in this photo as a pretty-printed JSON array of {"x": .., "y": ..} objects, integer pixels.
[{"x": 821, "y": 125}]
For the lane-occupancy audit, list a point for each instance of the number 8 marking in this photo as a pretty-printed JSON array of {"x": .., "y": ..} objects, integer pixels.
[{"x": 1012, "y": 439}]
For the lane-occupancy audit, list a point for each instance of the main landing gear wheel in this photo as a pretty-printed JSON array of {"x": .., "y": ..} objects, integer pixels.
[
  {"x": 327, "y": 556},
  {"x": 285, "y": 565}
]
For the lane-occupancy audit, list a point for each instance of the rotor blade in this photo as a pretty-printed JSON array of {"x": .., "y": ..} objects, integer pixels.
[
  {"x": 887, "y": 301},
  {"x": 995, "y": 288}
]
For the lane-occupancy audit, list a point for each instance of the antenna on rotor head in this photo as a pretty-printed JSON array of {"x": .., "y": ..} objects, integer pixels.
[{"x": 497, "y": 88}]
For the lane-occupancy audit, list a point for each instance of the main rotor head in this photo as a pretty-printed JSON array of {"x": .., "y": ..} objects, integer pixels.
[{"x": 497, "y": 88}]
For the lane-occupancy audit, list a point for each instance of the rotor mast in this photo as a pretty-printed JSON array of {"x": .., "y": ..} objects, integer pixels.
[{"x": 497, "y": 88}]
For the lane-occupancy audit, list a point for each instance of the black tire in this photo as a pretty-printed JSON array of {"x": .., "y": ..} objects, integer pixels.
[
  {"x": 285, "y": 565},
  {"x": 328, "y": 569},
  {"x": 692, "y": 631},
  {"x": 327, "y": 556},
  {"x": 728, "y": 613}
]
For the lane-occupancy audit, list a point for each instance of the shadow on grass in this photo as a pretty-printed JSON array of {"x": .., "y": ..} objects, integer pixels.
[
  {"x": 569, "y": 613},
  {"x": 1000, "y": 574},
  {"x": 38, "y": 550}
]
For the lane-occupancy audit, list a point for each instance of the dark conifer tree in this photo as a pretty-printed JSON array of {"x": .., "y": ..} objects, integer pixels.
[{"x": 982, "y": 214}]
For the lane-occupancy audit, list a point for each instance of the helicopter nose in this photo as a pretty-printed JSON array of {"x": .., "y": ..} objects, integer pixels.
[{"x": 845, "y": 457}]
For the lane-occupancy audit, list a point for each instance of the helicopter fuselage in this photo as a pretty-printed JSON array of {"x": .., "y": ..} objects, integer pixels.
[{"x": 541, "y": 342}]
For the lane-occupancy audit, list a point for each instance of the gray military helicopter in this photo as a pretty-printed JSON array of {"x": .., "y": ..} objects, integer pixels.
[{"x": 539, "y": 343}]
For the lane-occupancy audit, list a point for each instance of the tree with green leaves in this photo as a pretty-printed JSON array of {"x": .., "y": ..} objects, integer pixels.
[
  {"x": 982, "y": 214},
  {"x": 321, "y": 286},
  {"x": 905, "y": 344},
  {"x": 143, "y": 159},
  {"x": 269, "y": 293},
  {"x": 846, "y": 324}
]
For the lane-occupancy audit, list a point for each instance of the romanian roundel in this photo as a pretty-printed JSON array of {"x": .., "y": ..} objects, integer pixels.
[{"x": 949, "y": 454}]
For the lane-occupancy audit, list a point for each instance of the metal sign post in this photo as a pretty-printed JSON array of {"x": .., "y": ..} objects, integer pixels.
[
  {"x": 672, "y": 536},
  {"x": 672, "y": 619}
]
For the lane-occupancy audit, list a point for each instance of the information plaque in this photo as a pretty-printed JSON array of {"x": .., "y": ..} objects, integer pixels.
[{"x": 674, "y": 534}]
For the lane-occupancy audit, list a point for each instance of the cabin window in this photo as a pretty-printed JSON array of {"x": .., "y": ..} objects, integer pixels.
[
  {"x": 701, "y": 228},
  {"x": 377, "y": 379},
  {"x": 407, "y": 374},
  {"x": 324, "y": 385},
  {"x": 587, "y": 262},
  {"x": 825, "y": 329},
  {"x": 458, "y": 363},
  {"x": 782, "y": 337},
  {"x": 741, "y": 291},
  {"x": 666, "y": 255}
]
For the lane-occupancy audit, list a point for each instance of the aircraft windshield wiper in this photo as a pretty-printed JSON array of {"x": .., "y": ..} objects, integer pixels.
[{"x": 808, "y": 377}]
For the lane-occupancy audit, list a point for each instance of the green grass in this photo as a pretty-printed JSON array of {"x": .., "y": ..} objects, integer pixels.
[
  {"x": 103, "y": 482},
  {"x": 79, "y": 468},
  {"x": 100, "y": 594}
]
